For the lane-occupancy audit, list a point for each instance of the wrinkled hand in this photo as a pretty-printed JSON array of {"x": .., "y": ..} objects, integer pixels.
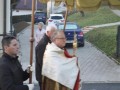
[
  {"x": 73, "y": 55},
  {"x": 29, "y": 69},
  {"x": 32, "y": 39},
  {"x": 30, "y": 86}
]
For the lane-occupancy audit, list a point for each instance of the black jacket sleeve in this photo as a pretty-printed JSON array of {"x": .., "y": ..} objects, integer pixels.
[
  {"x": 39, "y": 52},
  {"x": 25, "y": 75},
  {"x": 7, "y": 81}
]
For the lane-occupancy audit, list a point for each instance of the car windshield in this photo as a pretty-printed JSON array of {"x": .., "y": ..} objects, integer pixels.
[
  {"x": 39, "y": 14},
  {"x": 56, "y": 17},
  {"x": 68, "y": 26}
]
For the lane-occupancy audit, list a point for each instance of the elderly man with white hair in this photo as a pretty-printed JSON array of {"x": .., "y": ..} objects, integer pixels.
[{"x": 39, "y": 51}]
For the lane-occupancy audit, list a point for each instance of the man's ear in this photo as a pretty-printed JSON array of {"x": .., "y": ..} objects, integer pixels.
[{"x": 5, "y": 47}]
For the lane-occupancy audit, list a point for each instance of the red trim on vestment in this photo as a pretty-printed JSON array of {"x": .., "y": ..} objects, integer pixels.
[
  {"x": 77, "y": 84},
  {"x": 67, "y": 54}
]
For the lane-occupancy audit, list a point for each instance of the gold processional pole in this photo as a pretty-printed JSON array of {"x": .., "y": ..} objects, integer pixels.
[
  {"x": 66, "y": 15},
  {"x": 75, "y": 44},
  {"x": 32, "y": 39},
  {"x": 75, "y": 35}
]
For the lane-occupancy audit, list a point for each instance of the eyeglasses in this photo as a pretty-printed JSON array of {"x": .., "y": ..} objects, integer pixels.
[{"x": 60, "y": 38}]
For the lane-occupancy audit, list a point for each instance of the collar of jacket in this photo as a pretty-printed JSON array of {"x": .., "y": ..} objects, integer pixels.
[
  {"x": 47, "y": 38},
  {"x": 9, "y": 57}
]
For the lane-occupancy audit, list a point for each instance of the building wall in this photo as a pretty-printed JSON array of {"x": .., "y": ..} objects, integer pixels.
[
  {"x": 1, "y": 16},
  {"x": 8, "y": 16},
  {"x": 1, "y": 22},
  {"x": 27, "y": 5}
]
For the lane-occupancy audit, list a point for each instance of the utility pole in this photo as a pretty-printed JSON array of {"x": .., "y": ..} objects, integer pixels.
[
  {"x": 8, "y": 17},
  {"x": 51, "y": 6},
  {"x": 2, "y": 16},
  {"x": 11, "y": 31},
  {"x": 36, "y": 4},
  {"x": 25, "y": 2}
]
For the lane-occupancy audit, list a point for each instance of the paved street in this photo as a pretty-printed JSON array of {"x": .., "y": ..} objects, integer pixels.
[
  {"x": 101, "y": 86},
  {"x": 95, "y": 86}
]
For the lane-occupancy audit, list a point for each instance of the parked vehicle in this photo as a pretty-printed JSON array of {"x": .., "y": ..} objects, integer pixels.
[
  {"x": 56, "y": 19},
  {"x": 71, "y": 29},
  {"x": 40, "y": 17}
]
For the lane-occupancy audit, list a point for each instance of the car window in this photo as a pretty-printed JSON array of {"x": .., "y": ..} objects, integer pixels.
[
  {"x": 70, "y": 26},
  {"x": 39, "y": 14},
  {"x": 56, "y": 17}
]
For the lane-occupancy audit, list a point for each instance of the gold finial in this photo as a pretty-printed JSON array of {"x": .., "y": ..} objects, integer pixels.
[{"x": 75, "y": 43}]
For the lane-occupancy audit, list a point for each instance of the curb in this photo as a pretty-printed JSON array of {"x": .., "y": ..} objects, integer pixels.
[{"x": 100, "y": 82}]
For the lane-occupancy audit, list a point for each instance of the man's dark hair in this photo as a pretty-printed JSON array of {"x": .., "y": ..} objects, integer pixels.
[{"x": 7, "y": 40}]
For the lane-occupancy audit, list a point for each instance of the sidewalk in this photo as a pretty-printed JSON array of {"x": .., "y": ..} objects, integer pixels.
[{"x": 117, "y": 12}]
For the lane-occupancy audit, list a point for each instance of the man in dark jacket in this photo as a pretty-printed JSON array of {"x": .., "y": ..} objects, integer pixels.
[
  {"x": 11, "y": 72},
  {"x": 39, "y": 52}
]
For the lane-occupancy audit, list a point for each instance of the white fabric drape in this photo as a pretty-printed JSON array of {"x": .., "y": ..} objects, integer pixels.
[{"x": 58, "y": 67}]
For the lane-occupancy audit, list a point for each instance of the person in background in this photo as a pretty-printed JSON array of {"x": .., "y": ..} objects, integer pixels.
[
  {"x": 39, "y": 51},
  {"x": 60, "y": 69},
  {"x": 11, "y": 72},
  {"x": 39, "y": 33}
]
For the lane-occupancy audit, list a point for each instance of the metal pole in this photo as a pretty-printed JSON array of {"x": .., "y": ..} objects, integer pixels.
[
  {"x": 8, "y": 16},
  {"x": 4, "y": 9},
  {"x": 36, "y": 4},
  {"x": 11, "y": 32},
  {"x": 32, "y": 38},
  {"x": 65, "y": 18},
  {"x": 51, "y": 6}
]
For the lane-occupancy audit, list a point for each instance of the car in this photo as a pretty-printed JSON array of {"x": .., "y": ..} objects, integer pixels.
[
  {"x": 40, "y": 17},
  {"x": 71, "y": 29},
  {"x": 56, "y": 19}
]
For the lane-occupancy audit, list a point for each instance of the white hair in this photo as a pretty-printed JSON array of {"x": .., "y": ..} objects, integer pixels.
[
  {"x": 55, "y": 34},
  {"x": 41, "y": 23},
  {"x": 50, "y": 27}
]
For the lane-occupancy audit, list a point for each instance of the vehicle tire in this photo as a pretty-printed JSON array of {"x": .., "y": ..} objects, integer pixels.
[
  {"x": 44, "y": 23},
  {"x": 81, "y": 45}
]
